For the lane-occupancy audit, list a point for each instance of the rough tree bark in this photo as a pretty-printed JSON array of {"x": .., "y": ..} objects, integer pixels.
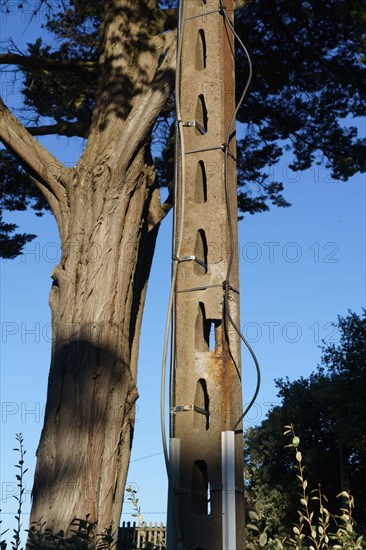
[{"x": 108, "y": 212}]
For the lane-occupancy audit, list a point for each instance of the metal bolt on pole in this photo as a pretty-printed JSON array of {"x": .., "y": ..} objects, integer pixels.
[{"x": 206, "y": 504}]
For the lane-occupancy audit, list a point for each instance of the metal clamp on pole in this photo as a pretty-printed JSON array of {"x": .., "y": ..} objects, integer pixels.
[
  {"x": 189, "y": 258},
  {"x": 194, "y": 124},
  {"x": 195, "y": 408}
]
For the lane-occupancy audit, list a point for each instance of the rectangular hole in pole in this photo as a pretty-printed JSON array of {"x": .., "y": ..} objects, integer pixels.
[
  {"x": 200, "y": 189},
  {"x": 201, "y": 329},
  {"x": 199, "y": 488},
  {"x": 212, "y": 337},
  {"x": 200, "y": 51},
  {"x": 200, "y": 252},
  {"x": 213, "y": 333},
  {"x": 201, "y": 116},
  {"x": 201, "y": 415},
  {"x": 207, "y": 331}
]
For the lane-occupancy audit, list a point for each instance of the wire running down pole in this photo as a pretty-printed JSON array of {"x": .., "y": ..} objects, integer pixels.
[{"x": 205, "y": 466}]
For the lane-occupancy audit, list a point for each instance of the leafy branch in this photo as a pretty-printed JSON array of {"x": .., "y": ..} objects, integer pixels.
[{"x": 15, "y": 543}]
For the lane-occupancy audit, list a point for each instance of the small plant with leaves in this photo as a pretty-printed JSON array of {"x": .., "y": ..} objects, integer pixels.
[
  {"x": 315, "y": 527},
  {"x": 3, "y": 543},
  {"x": 307, "y": 530},
  {"x": 82, "y": 532},
  {"x": 19, "y": 497},
  {"x": 144, "y": 544},
  {"x": 346, "y": 537},
  {"x": 135, "y": 504},
  {"x": 15, "y": 543},
  {"x": 257, "y": 534},
  {"x": 82, "y": 537}
]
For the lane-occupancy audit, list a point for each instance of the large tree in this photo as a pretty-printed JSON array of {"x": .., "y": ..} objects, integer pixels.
[
  {"x": 109, "y": 80},
  {"x": 328, "y": 410}
]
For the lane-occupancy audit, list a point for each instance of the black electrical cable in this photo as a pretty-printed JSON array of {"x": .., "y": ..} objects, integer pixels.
[
  {"x": 178, "y": 235},
  {"x": 229, "y": 218}
]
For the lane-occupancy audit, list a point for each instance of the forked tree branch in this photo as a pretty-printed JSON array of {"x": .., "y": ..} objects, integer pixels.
[
  {"x": 49, "y": 174},
  {"x": 68, "y": 129},
  {"x": 147, "y": 109},
  {"x": 143, "y": 115}
]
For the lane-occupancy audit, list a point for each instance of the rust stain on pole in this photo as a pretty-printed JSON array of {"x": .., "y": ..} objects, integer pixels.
[{"x": 207, "y": 392}]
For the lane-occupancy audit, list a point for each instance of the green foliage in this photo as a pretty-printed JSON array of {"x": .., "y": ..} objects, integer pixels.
[
  {"x": 61, "y": 95},
  {"x": 309, "y": 76},
  {"x": 17, "y": 193},
  {"x": 329, "y": 411},
  {"x": 344, "y": 364},
  {"x": 135, "y": 503},
  {"x": 142, "y": 525},
  {"x": 83, "y": 535},
  {"x": 316, "y": 528},
  {"x": 15, "y": 543}
]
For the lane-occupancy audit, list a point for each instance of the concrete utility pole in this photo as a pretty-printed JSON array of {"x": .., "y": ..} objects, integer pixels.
[{"x": 206, "y": 505}]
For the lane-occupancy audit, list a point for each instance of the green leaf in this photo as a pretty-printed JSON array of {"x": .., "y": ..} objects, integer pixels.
[
  {"x": 263, "y": 539},
  {"x": 253, "y": 515}
]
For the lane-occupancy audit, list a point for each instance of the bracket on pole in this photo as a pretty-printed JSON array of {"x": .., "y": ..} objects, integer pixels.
[
  {"x": 195, "y": 124},
  {"x": 229, "y": 490},
  {"x": 195, "y": 408},
  {"x": 189, "y": 258}
]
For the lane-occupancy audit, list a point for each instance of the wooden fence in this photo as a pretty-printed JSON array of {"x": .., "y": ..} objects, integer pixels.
[{"x": 141, "y": 536}]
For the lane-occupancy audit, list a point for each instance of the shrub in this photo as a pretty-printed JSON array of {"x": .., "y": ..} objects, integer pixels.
[{"x": 317, "y": 528}]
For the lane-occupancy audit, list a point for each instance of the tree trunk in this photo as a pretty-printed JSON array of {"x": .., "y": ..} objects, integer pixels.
[
  {"x": 96, "y": 301},
  {"x": 108, "y": 212}
]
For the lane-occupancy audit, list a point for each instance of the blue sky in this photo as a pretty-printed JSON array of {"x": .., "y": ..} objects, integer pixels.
[{"x": 299, "y": 268}]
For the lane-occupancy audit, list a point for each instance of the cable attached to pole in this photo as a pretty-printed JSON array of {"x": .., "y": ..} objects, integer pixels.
[
  {"x": 229, "y": 217},
  {"x": 178, "y": 225},
  {"x": 176, "y": 245}
]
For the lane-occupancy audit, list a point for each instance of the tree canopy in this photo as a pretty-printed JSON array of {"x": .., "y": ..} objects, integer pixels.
[
  {"x": 104, "y": 72},
  {"x": 308, "y": 87},
  {"x": 328, "y": 410}
]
